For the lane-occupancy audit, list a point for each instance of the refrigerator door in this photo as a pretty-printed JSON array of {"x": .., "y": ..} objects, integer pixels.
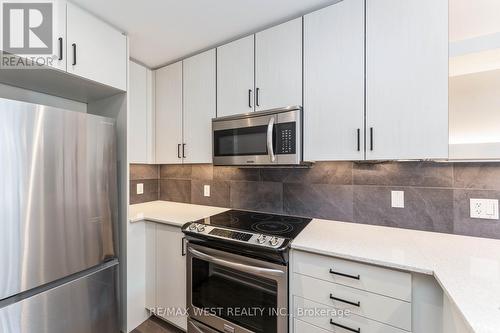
[
  {"x": 85, "y": 305},
  {"x": 58, "y": 197}
]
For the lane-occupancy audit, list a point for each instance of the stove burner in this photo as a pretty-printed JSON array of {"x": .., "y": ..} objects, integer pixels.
[{"x": 272, "y": 227}]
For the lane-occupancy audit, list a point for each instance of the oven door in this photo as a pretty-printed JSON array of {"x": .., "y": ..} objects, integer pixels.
[{"x": 236, "y": 294}]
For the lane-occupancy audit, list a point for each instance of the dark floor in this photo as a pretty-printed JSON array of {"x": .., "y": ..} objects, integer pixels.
[{"x": 155, "y": 325}]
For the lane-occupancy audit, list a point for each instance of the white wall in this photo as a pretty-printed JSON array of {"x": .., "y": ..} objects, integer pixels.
[{"x": 475, "y": 108}]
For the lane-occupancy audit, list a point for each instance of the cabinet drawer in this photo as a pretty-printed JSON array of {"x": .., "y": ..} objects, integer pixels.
[
  {"x": 353, "y": 274},
  {"x": 300, "y": 326},
  {"x": 373, "y": 306},
  {"x": 323, "y": 316}
]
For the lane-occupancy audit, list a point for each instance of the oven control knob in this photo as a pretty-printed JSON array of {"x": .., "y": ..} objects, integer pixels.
[
  {"x": 201, "y": 228},
  {"x": 261, "y": 239},
  {"x": 192, "y": 227},
  {"x": 274, "y": 241}
]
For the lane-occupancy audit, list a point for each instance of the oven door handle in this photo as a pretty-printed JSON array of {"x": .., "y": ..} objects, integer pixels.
[
  {"x": 270, "y": 149},
  {"x": 261, "y": 271}
]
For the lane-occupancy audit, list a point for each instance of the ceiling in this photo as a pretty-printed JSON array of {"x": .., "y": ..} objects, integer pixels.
[{"x": 162, "y": 31}]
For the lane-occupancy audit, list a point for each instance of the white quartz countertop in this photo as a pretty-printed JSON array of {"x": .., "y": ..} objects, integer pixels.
[
  {"x": 467, "y": 268},
  {"x": 173, "y": 213}
]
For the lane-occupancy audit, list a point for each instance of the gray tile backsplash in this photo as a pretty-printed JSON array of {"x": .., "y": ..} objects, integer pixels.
[
  {"x": 259, "y": 196},
  {"x": 429, "y": 209},
  {"x": 436, "y": 194},
  {"x": 175, "y": 190},
  {"x": 319, "y": 200}
]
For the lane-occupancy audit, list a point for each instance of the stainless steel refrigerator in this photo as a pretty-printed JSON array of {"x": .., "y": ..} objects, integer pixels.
[{"x": 58, "y": 221}]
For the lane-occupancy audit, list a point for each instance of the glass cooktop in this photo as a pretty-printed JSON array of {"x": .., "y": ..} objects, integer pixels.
[{"x": 262, "y": 223}]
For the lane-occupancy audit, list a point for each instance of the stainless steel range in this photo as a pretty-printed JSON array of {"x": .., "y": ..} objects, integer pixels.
[{"x": 237, "y": 272}]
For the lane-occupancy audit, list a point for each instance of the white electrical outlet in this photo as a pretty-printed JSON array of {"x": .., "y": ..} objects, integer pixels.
[
  {"x": 140, "y": 188},
  {"x": 398, "y": 199},
  {"x": 484, "y": 209},
  {"x": 206, "y": 190}
]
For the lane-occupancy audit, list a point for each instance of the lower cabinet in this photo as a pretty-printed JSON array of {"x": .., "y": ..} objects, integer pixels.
[
  {"x": 166, "y": 275},
  {"x": 334, "y": 295}
]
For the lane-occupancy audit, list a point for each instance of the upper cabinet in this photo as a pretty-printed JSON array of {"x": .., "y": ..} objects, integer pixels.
[
  {"x": 141, "y": 114},
  {"x": 261, "y": 71},
  {"x": 334, "y": 82},
  {"x": 199, "y": 103},
  {"x": 95, "y": 50},
  {"x": 59, "y": 35},
  {"x": 185, "y": 105},
  {"x": 380, "y": 91},
  {"x": 278, "y": 66},
  {"x": 168, "y": 114},
  {"x": 407, "y": 79},
  {"x": 235, "y": 77}
]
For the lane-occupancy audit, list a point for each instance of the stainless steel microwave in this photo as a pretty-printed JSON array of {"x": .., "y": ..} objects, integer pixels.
[{"x": 272, "y": 137}]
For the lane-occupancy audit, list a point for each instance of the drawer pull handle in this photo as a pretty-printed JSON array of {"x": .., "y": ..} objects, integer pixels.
[
  {"x": 358, "y": 304},
  {"x": 345, "y": 327},
  {"x": 355, "y": 277}
]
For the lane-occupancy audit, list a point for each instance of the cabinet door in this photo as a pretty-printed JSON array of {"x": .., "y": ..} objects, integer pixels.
[
  {"x": 59, "y": 41},
  {"x": 141, "y": 117},
  {"x": 170, "y": 273},
  {"x": 168, "y": 114},
  {"x": 235, "y": 77},
  {"x": 151, "y": 259},
  {"x": 101, "y": 50},
  {"x": 407, "y": 79},
  {"x": 278, "y": 61},
  {"x": 199, "y": 106},
  {"x": 334, "y": 82}
]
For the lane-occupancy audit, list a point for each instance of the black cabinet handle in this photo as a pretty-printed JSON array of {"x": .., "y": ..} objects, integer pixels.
[
  {"x": 183, "y": 246},
  {"x": 371, "y": 138},
  {"x": 359, "y": 139},
  {"x": 345, "y": 327},
  {"x": 249, "y": 98},
  {"x": 179, "y": 150},
  {"x": 358, "y": 304},
  {"x": 183, "y": 150},
  {"x": 257, "y": 96},
  {"x": 60, "y": 48},
  {"x": 355, "y": 277},
  {"x": 74, "y": 53}
]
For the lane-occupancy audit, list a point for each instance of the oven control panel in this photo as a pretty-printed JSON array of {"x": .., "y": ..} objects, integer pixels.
[{"x": 236, "y": 236}]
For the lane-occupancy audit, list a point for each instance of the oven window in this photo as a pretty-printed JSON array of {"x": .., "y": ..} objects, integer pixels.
[
  {"x": 243, "y": 299},
  {"x": 241, "y": 141}
]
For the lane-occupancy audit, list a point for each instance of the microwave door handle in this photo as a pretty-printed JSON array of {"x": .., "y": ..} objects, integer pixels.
[
  {"x": 261, "y": 271},
  {"x": 270, "y": 149}
]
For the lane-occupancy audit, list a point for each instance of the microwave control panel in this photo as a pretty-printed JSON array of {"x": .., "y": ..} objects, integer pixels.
[{"x": 286, "y": 138}]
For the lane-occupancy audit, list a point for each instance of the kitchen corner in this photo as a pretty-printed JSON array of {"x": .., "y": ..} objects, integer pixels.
[{"x": 467, "y": 269}]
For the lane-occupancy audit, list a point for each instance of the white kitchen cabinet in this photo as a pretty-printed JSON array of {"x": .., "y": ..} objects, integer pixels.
[
  {"x": 59, "y": 35},
  {"x": 199, "y": 104},
  {"x": 170, "y": 273},
  {"x": 94, "y": 49},
  {"x": 168, "y": 114},
  {"x": 141, "y": 114},
  {"x": 406, "y": 79},
  {"x": 278, "y": 66},
  {"x": 334, "y": 82},
  {"x": 151, "y": 259},
  {"x": 235, "y": 77}
]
